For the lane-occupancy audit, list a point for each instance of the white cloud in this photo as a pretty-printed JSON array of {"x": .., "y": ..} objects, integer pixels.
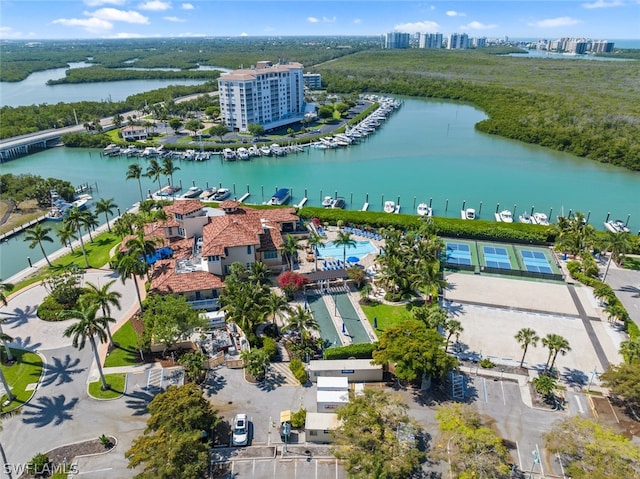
[
  {"x": 478, "y": 26},
  {"x": 329, "y": 19},
  {"x": 8, "y": 33},
  {"x": 453, "y": 13},
  {"x": 357, "y": 21},
  {"x": 187, "y": 6},
  {"x": 155, "y": 5},
  {"x": 174, "y": 19},
  {"x": 244, "y": 34},
  {"x": 97, "y": 3},
  {"x": 424, "y": 26},
  {"x": 603, "y": 4},
  {"x": 555, "y": 22},
  {"x": 432, "y": 8},
  {"x": 312, "y": 20},
  {"x": 115, "y": 15},
  {"x": 91, "y": 25},
  {"x": 126, "y": 35}
]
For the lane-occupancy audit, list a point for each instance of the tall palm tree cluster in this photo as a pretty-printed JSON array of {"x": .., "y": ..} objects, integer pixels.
[
  {"x": 154, "y": 171},
  {"x": 410, "y": 262},
  {"x": 555, "y": 343}
]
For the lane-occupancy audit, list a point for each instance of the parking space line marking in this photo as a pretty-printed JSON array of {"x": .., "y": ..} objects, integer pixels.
[
  {"x": 484, "y": 389},
  {"x": 541, "y": 461},
  {"x": 519, "y": 456},
  {"x": 580, "y": 408},
  {"x": 504, "y": 399}
]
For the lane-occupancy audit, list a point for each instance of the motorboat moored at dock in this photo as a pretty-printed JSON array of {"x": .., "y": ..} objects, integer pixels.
[
  {"x": 468, "y": 214},
  {"x": 424, "y": 209},
  {"x": 221, "y": 194},
  {"x": 280, "y": 197},
  {"x": 192, "y": 192},
  {"x": 525, "y": 218},
  {"x": 616, "y": 226},
  {"x": 327, "y": 202},
  {"x": 389, "y": 206},
  {"x": 504, "y": 216},
  {"x": 540, "y": 219}
]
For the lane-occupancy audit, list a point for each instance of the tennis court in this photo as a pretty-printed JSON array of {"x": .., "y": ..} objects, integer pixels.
[
  {"x": 458, "y": 253},
  {"x": 496, "y": 257},
  {"x": 535, "y": 261}
]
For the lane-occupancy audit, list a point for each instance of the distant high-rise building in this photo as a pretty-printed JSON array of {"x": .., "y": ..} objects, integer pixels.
[
  {"x": 601, "y": 46},
  {"x": 394, "y": 40},
  {"x": 458, "y": 41},
  {"x": 430, "y": 40},
  {"x": 479, "y": 42},
  {"x": 267, "y": 94},
  {"x": 313, "y": 80}
]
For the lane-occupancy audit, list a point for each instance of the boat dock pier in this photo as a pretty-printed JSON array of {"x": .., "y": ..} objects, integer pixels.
[
  {"x": 20, "y": 228},
  {"x": 365, "y": 207},
  {"x": 303, "y": 201},
  {"x": 244, "y": 197}
]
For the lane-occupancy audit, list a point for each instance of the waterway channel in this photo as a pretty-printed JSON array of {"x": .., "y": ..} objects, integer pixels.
[{"x": 427, "y": 151}]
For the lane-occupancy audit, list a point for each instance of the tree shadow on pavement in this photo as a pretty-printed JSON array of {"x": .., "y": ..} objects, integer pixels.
[
  {"x": 61, "y": 371},
  {"x": 19, "y": 316},
  {"x": 214, "y": 383},
  {"x": 139, "y": 400},
  {"x": 574, "y": 377},
  {"x": 25, "y": 343},
  {"x": 271, "y": 382},
  {"x": 49, "y": 410}
]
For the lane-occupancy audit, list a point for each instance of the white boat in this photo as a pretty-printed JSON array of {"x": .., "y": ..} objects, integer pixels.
[
  {"x": 207, "y": 193},
  {"x": 525, "y": 218},
  {"x": 192, "y": 192},
  {"x": 504, "y": 216},
  {"x": 327, "y": 202},
  {"x": 242, "y": 153},
  {"x": 616, "y": 226},
  {"x": 540, "y": 219},
  {"x": 221, "y": 194},
  {"x": 339, "y": 203},
  {"x": 389, "y": 207},
  {"x": 81, "y": 204},
  {"x": 228, "y": 154},
  {"x": 253, "y": 151},
  {"x": 277, "y": 150},
  {"x": 280, "y": 197},
  {"x": 111, "y": 149},
  {"x": 468, "y": 214},
  {"x": 265, "y": 150},
  {"x": 424, "y": 210}
]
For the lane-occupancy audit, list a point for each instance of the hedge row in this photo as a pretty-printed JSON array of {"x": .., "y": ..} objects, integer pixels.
[
  {"x": 358, "y": 351},
  {"x": 298, "y": 370}
]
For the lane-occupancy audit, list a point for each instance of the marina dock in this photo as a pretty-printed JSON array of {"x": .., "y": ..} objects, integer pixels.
[
  {"x": 303, "y": 201},
  {"x": 244, "y": 197},
  {"x": 365, "y": 207}
]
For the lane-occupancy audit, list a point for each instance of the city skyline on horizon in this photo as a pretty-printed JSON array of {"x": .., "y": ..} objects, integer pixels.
[{"x": 128, "y": 19}]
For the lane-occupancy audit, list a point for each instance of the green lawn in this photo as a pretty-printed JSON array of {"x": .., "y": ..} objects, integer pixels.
[
  {"x": 387, "y": 315},
  {"x": 125, "y": 354},
  {"x": 26, "y": 370},
  {"x": 97, "y": 252},
  {"x": 116, "y": 381}
]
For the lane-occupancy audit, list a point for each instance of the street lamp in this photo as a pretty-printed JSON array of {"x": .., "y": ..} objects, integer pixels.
[{"x": 536, "y": 460}]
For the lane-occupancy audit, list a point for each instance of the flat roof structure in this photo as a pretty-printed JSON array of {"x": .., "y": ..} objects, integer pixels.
[
  {"x": 321, "y": 421},
  {"x": 329, "y": 383}
]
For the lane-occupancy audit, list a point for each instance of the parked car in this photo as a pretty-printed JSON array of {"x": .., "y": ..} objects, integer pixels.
[{"x": 240, "y": 430}]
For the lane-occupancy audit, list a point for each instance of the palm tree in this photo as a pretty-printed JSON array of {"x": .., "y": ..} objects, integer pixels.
[
  {"x": 291, "y": 247},
  {"x": 135, "y": 173},
  {"x": 630, "y": 350},
  {"x": 453, "y": 328},
  {"x": 545, "y": 385},
  {"x": 616, "y": 310},
  {"x": 66, "y": 236},
  {"x": 37, "y": 234},
  {"x": 556, "y": 344},
  {"x": 619, "y": 245},
  {"x": 10, "y": 395},
  {"x": 129, "y": 267},
  {"x": 168, "y": 169},
  {"x": 315, "y": 241},
  {"x": 74, "y": 220},
  {"x": 89, "y": 221},
  {"x": 154, "y": 171},
  {"x": 4, "y": 289},
  {"x": 259, "y": 273},
  {"x": 5, "y": 338},
  {"x": 301, "y": 321},
  {"x": 256, "y": 361},
  {"x": 141, "y": 247},
  {"x": 89, "y": 326},
  {"x": 106, "y": 206},
  {"x": 104, "y": 299},
  {"x": 274, "y": 304},
  {"x": 344, "y": 239},
  {"x": 526, "y": 337}
]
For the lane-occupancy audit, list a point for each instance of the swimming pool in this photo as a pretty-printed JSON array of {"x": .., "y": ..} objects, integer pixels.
[{"x": 331, "y": 250}]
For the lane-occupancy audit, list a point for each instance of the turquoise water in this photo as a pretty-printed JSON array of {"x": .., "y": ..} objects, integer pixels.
[
  {"x": 331, "y": 250},
  {"x": 427, "y": 151}
]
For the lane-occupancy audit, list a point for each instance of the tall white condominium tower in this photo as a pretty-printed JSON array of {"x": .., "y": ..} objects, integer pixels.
[
  {"x": 458, "y": 41},
  {"x": 430, "y": 40},
  {"x": 267, "y": 94},
  {"x": 396, "y": 40}
]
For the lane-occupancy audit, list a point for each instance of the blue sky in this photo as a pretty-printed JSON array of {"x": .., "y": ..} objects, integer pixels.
[{"x": 73, "y": 19}]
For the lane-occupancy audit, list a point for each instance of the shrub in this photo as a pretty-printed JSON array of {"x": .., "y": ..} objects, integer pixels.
[
  {"x": 38, "y": 464},
  {"x": 358, "y": 351},
  {"x": 298, "y": 370},
  {"x": 298, "y": 418},
  {"x": 270, "y": 347},
  {"x": 633, "y": 330},
  {"x": 487, "y": 363},
  {"x": 106, "y": 441},
  {"x": 50, "y": 309}
]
